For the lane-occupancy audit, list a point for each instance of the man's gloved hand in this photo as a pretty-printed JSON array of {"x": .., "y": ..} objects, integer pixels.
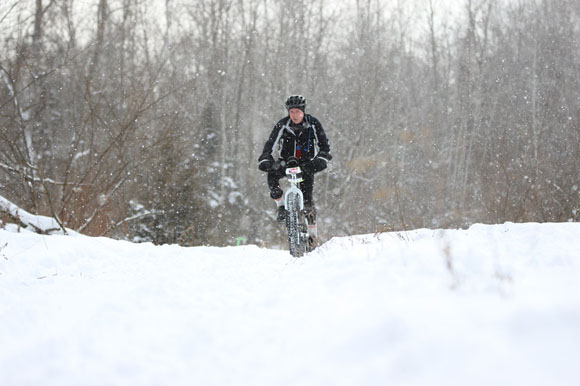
[
  {"x": 317, "y": 164},
  {"x": 265, "y": 162},
  {"x": 292, "y": 162}
]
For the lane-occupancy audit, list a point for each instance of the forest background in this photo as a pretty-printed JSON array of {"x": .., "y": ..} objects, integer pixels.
[{"x": 144, "y": 120}]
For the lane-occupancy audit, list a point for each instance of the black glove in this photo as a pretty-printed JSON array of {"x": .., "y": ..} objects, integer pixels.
[
  {"x": 317, "y": 164},
  {"x": 265, "y": 162},
  {"x": 292, "y": 162}
]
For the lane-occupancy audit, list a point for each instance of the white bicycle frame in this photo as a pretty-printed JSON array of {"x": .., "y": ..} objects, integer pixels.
[{"x": 294, "y": 176}]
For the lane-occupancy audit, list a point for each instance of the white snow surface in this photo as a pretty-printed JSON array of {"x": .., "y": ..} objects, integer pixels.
[{"x": 490, "y": 305}]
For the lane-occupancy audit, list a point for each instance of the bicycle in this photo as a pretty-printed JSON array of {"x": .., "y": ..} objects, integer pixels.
[{"x": 296, "y": 221}]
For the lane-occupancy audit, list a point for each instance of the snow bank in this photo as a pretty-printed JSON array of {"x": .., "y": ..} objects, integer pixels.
[
  {"x": 491, "y": 305},
  {"x": 16, "y": 219}
]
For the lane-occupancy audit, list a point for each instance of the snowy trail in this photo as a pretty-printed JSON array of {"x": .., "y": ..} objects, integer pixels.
[{"x": 490, "y": 305}]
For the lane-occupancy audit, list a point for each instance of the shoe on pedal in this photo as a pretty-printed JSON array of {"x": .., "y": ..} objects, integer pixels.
[
  {"x": 310, "y": 213},
  {"x": 312, "y": 242},
  {"x": 281, "y": 214}
]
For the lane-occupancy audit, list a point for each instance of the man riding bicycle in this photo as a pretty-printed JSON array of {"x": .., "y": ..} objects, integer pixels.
[{"x": 298, "y": 135}]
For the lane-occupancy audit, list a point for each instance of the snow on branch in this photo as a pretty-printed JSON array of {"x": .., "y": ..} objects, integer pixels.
[{"x": 11, "y": 213}]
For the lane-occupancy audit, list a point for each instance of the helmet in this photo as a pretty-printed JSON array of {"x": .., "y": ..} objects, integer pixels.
[{"x": 296, "y": 102}]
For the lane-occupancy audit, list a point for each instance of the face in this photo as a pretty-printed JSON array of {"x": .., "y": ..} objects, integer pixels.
[{"x": 296, "y": 115}]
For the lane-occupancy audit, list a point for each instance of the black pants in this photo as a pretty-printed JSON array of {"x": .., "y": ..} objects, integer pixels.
[{"x": 307, "y": 186}]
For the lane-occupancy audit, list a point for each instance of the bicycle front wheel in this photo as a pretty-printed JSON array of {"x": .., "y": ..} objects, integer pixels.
[{"x": 296, "y": 242}]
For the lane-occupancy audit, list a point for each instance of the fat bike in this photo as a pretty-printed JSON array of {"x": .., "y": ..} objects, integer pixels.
[{"x": 296, "y": 219}]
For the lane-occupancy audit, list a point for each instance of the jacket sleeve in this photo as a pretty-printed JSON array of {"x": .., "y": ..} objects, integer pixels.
[
  {"x": 273, "y": 140},
  {"x": 323, "y": 144},
  {"x": 320, "y": 162}
]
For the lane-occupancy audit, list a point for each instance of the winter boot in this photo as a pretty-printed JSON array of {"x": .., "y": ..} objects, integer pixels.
[
  {"x": 281, "y": 217},
  {"x": 310, "y": 213},
  {"x": 312, "y": 243}
]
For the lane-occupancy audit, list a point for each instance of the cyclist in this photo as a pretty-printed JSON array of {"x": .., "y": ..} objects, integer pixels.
[{"x": 297, "y": 135}]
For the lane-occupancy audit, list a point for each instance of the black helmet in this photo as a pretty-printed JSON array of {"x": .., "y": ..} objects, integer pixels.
[{"x": 296, "y": 102}]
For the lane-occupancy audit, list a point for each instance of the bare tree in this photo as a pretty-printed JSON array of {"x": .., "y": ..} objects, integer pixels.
[{"x": 148, "y": 128}]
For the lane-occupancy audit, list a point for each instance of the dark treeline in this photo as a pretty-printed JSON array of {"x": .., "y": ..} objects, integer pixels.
[{"x": 146, "y": 124}]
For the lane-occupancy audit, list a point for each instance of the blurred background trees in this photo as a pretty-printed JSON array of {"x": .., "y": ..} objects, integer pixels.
[{"x": 144, "y": 120}]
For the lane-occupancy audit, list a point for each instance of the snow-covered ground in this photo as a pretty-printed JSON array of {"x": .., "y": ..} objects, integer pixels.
[{"x": 491, "y": 305}]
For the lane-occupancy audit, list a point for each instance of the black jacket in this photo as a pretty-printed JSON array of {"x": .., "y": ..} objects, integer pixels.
[{"x": 306, "y": 141}]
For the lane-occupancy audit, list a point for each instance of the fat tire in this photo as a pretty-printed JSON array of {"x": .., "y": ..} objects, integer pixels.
[{"x": 296, "y": 241}]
